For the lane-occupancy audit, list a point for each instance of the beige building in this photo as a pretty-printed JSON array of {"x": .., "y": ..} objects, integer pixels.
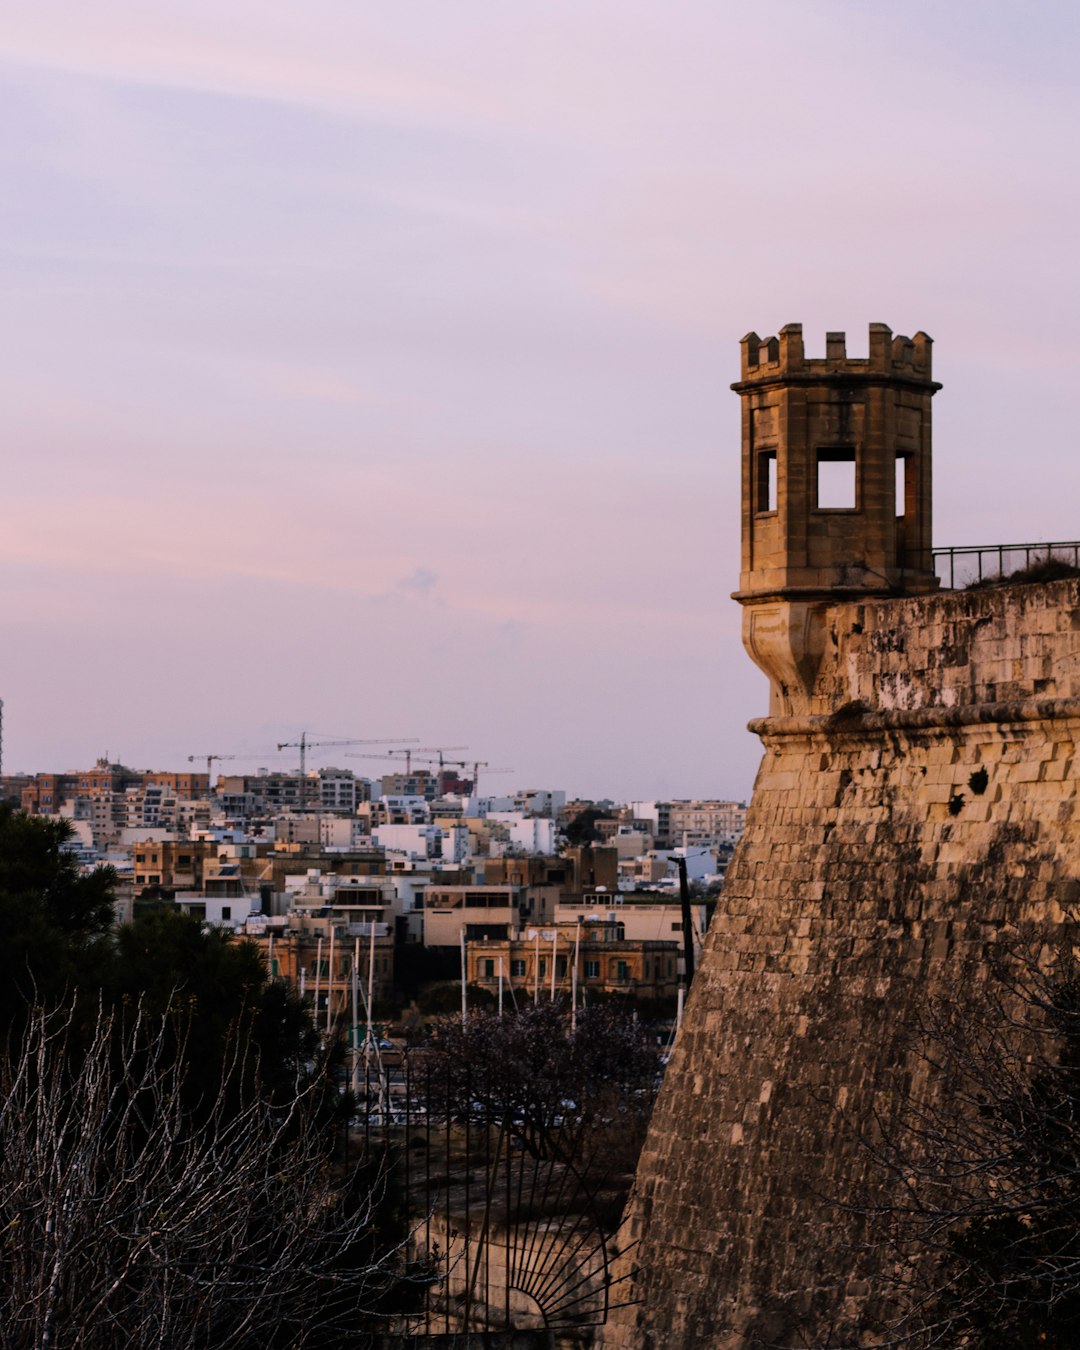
[
  {"x": 322, "y": 972},
  {"x": 482, "y": 911},
  {"x": 189, "y": 864},
  {"x": 539, "y": 962},
  {"x": 707, "y": 822},
  {"x": 641, "y": 920}
]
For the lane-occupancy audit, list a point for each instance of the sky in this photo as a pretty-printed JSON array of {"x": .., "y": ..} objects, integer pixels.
[{"x": 364, "y": 366}]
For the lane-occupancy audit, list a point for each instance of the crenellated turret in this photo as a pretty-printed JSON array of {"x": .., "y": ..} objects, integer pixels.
[{"x": 836, "y": 489}]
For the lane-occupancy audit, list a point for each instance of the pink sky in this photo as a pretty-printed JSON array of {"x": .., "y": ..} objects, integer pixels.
[{"x": 365, "y": 365}]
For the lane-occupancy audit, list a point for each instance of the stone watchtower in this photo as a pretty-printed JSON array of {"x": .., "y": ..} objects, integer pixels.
[
  {"x": 917, "y": 802},
  {"x": 835, "y": 491}
]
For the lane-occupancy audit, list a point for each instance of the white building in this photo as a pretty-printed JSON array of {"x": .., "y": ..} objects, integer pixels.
[
  {"x": 526, "y": 834},
  {"x": 539, "y": 801},
  {"x": 657, "y": 815},
  {"x": 414, "y": 841}
]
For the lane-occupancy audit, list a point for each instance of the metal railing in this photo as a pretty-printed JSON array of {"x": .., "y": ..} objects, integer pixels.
[
  {"x": 974, "y": 563},
  {"x": 509, "y": 1230}
]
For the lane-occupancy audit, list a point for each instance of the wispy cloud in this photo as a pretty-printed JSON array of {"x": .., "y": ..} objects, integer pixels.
[{"x": 420, "y": 582}]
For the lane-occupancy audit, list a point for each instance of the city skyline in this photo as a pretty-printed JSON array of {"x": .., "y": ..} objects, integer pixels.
[{"x": 366, "y": 369}]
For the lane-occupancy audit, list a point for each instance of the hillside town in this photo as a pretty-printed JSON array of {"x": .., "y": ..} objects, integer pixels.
[{"x": 404, "y": 880}]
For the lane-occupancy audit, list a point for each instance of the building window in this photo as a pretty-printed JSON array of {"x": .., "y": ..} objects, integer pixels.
[
  {"x": 543, "y": 967},
  {"x": 489, "y": 968},
  {"x": 592, "y": 970},
  {"x": 676, "y": 927},
  {"x": 622, "y": 972},
  {"x": 517, "y": 968},
  {"x": 226, "y": 911}
]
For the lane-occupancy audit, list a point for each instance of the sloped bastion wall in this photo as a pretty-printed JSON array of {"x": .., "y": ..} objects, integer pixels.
[{"x": 923, "y": 800}]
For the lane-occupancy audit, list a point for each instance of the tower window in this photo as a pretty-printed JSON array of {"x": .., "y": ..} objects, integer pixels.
[
  {"x": 901, "y": 485},
  {"x": 766, "y": 480},
  {"x": 836, "y": 480}
]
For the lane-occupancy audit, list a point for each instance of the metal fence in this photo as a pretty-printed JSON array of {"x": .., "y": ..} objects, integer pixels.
[
  {"x": 973, "y": 564},
  {"x": 508, "y": 1232}
]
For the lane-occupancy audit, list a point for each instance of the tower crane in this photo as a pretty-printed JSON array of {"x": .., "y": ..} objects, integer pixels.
[
  {"x": 425, "y": 750},
  {"x": 411, "y": 758},
  {"x": 209, "y": 762},
  {"x": 477, "y": 765},
  {"x": 303, "y": 745},
  {"x": 390, "y": 757}
]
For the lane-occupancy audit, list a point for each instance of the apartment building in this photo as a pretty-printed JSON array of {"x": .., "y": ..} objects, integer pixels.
[
  {"x": 590, "y": 957},
  {"x": 482, "y": 911},
  {"x": 716, "y": 822}
]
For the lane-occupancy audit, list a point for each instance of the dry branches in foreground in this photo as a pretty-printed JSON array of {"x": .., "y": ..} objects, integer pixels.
[{"x": 124, "y": 1221}]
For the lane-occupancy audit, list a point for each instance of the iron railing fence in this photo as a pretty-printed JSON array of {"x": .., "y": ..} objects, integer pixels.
[
  {"x": 505, "y": 1236},
  {"x": 973, "y": 563}
]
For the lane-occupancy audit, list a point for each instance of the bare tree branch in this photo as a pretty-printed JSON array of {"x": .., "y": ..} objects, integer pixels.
[{"x": 124, "y": 1220}]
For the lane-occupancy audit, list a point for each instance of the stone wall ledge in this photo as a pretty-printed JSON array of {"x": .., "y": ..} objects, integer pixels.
[
  {"x": 849, "y": 378},
  {"x": 856, "y": 720}
]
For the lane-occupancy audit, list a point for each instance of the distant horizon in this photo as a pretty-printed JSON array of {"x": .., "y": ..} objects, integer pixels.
[{"x": 500, "y": 790}]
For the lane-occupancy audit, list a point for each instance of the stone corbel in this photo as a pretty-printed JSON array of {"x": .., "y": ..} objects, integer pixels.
[{"x": 786, "y": 638}]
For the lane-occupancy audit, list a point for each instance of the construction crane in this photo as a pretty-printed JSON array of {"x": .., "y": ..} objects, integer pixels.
[
  {"x": 411, "y": 756},
  {"x": 477, "y": 765},
  {"x": 389, "y": 758},
  {"x": 303, "y": 745},
  {"x": 425, "y": 750},
  {"x": 209, "y": 762}
]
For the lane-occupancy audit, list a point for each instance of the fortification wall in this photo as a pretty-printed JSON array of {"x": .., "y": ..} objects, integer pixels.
[{"x": 928, "y": 801}]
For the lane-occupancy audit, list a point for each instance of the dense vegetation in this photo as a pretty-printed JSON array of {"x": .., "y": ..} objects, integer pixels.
[{"x": 169, "y": 1125}]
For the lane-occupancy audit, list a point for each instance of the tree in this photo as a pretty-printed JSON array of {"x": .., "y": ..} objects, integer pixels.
[
  {"x": 128, "y": 1219},
  {"x": 53, "y": 918},
  {"x": 582, "y": 828},
  {"x": 985, "y": 1234},
  {"x": 169, "y": 1125},
  {"x": 208, "y": 985},
  {"x": 549, "y": 1084}
]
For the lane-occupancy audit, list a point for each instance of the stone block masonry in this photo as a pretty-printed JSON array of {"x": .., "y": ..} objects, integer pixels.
[{"x": 920, "y": 798}]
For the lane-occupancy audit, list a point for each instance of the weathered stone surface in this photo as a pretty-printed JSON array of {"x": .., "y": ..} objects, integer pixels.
[{"x": 924, "y": 798}]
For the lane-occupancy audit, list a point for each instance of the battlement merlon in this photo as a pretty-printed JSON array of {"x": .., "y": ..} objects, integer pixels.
[{"x": 783, "y": 360}]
